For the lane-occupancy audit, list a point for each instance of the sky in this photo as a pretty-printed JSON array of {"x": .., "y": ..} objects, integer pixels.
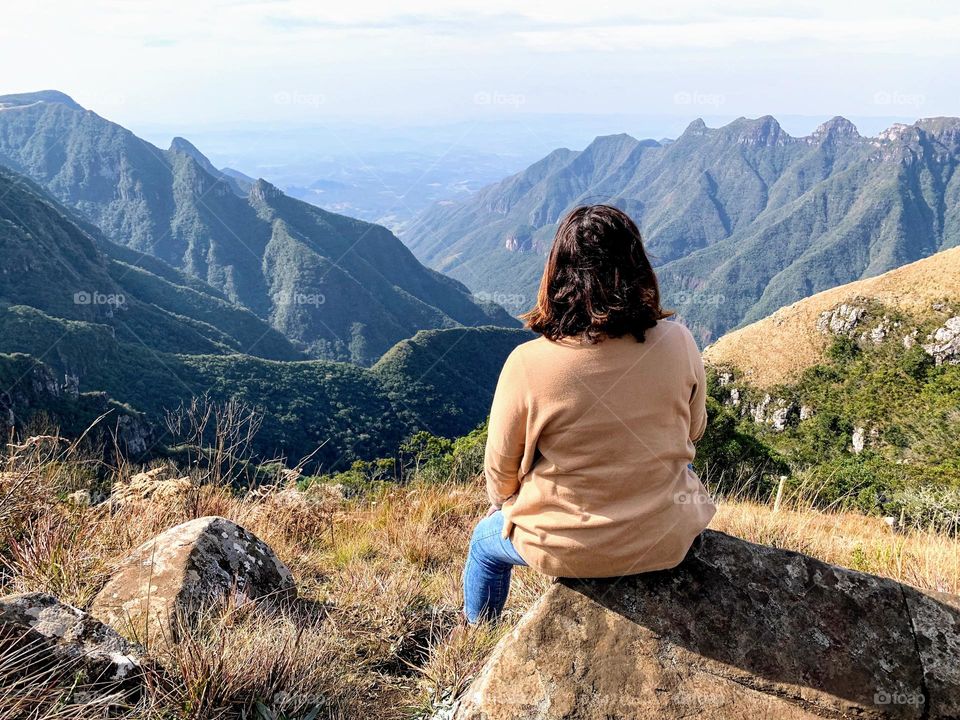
[{"x": 208, "y": 63}]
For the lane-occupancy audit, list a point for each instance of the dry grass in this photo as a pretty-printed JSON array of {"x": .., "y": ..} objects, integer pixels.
[
  {"x": 778, "y": 348},
  {"x": 375, "y": 633},
  {"x": 924, "y": 559}
]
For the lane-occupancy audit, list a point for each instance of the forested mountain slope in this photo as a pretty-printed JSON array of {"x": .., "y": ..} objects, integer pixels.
[
  {"x": 341, "y": 288},
  {"x": 741, "y": 219}
]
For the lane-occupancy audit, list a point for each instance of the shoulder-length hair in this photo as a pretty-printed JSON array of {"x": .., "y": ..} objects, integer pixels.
[{"x": 598, "y": 282}]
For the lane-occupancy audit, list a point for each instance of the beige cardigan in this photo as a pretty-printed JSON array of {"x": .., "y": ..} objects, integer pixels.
[{"x": 588, "y": 451}]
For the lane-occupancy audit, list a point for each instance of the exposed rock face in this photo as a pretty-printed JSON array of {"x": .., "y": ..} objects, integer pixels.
[
  {"x": 944, "y": 345},
  {"x": 778, "y": 413},
  {"x": 190, "y": 569},
  {"x": 859, "y": 440},
  {"x": 842, "y": 320},
  {"x": 51, "y": 637},
  {"x": 735, "y": 631}
]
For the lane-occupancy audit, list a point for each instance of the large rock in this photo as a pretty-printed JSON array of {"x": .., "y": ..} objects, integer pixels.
[
  {"x": 40, "y": 637},
  {"x": 735, "y": 631},
  {"x": 194, "y": 568}
]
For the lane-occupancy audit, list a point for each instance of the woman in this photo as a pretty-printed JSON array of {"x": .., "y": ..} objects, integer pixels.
[{"x": 592, "y": 427}]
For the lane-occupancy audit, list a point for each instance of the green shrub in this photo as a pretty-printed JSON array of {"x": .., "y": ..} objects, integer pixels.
[{"x": 732, "y": 459}]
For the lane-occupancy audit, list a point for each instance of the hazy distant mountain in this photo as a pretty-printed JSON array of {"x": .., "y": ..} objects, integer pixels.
[
  {"x": 343, "y": 288},
  {"x": 391, "y": 188},
  {"x": 742, "y": 219}
]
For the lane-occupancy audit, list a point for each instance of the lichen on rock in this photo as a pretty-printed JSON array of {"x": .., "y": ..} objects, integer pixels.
[{"x": 41, "y": 636}]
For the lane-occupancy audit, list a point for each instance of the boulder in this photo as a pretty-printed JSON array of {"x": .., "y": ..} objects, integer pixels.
[
  {"x": 42, "y": 637},
  {"x": 197, "y": 567},
  {"x": 737, "y": 630}
]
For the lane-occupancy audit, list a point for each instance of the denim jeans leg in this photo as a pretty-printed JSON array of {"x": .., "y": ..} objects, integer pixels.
[{"x": 486, "y": 576}]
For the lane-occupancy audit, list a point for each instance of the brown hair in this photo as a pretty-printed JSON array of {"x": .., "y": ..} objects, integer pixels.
[{"x": 598, "y": 281}]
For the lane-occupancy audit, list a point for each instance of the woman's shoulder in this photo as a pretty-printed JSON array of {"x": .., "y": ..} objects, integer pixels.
[
  {"x": 542, "y": 349},
  {"x": 531, "y": 349},
  {"x": 677, "y": 330}
]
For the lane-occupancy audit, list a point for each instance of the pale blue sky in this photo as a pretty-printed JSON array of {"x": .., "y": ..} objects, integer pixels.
[{"x": 203, "y": 62}]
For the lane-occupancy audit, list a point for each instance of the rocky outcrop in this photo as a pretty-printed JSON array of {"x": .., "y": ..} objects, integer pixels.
[
  {"x": 197, "y": 567},
  {"x": 944, "y": 343},
  {"x": 841, "y": 320},
  {"x": 39, "y": 396},
  {"x": 40, "y": 636},
  {"x": 735, "y": 631},
  {"x": 778, "y": 413}
]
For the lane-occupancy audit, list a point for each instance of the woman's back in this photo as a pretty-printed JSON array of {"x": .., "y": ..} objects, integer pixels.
[
  {"x": 607, "y": 433},
  {"x": 592, "y": 426}
]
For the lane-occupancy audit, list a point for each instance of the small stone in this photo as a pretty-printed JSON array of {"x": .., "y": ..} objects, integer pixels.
[
  {"x": 80, "y": 498},
  {"x": 859, "y": 439},
  {"x": 944, "y": 343},
  {"x": 159, "y": 484}
]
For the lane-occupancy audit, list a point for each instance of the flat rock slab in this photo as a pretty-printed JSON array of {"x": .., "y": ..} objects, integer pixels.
[
  {"x": 191, "y": 569},
  {"x": 43, "y": 637},
  {"x": 735, "y": 631}
]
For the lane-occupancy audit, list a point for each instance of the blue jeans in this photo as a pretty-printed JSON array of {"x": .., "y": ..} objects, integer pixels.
[{"x": 486, "y": 577}]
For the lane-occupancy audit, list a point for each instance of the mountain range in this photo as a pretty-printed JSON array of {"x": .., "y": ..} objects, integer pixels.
[
  {"x": 740, "y": 219},
  {"x": 88, "y": 326},
  {"x": 337, "y": 287}
]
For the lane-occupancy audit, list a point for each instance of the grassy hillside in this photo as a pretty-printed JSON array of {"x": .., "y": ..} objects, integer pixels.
[
  {"x": 857, "y": 389},
  {"x": 379, "y": 582},
  {"x": 342, "y": 288},
  {"x": 447, "y": 376},
  {"x": 337, "y": 412},
  {"x": 742, "y": 219},
  {"x": 778, "y": 348}
]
